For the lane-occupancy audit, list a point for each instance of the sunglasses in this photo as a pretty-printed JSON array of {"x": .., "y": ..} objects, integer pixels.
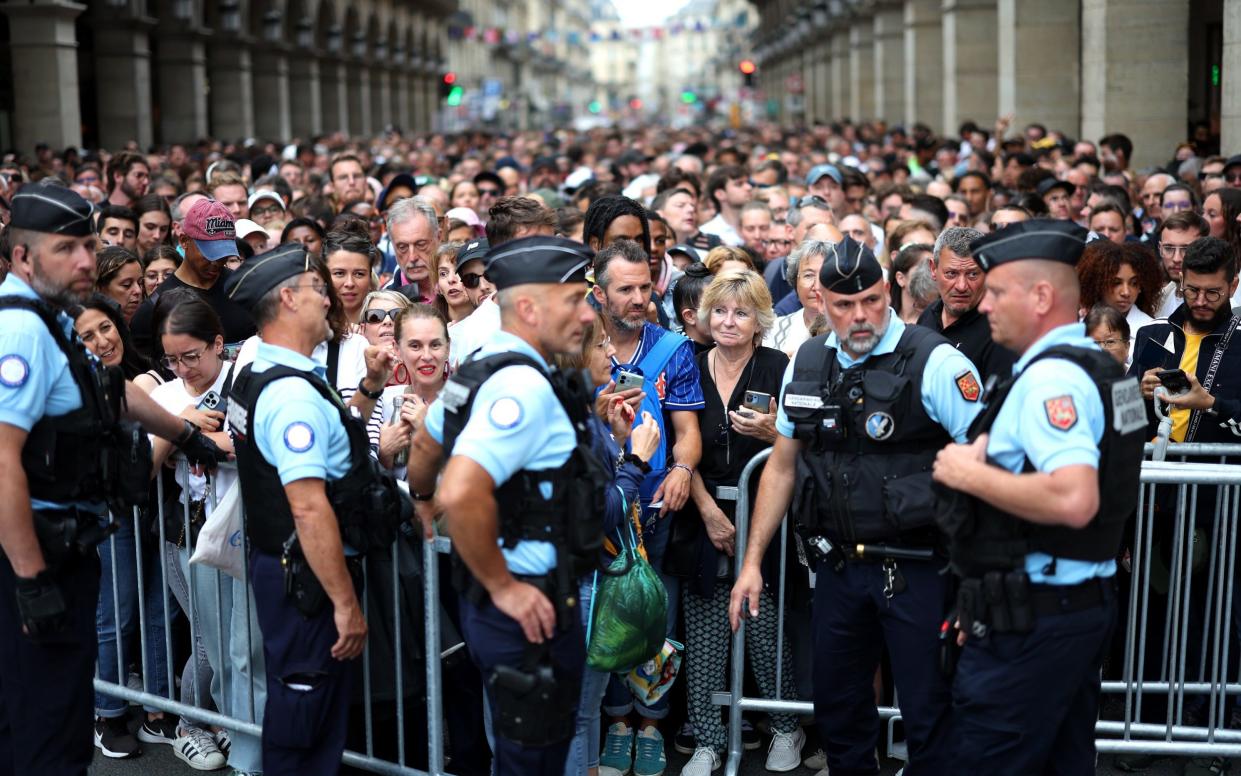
[
  {"x": 488, "y": 192},
  {"x": 375, "y": 316},
  {"x": 471, "y": 279}
]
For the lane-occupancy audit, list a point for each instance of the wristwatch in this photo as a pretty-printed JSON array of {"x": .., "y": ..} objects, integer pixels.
[{"x": 372, "y": 395}]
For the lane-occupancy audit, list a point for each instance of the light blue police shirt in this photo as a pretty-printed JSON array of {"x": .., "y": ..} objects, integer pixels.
[
  {"x": 942, "y": 395},
  {"x": 516, "y": 423},
  {"x": 35, "y": 380},
  {"x": 1054, "y": 417}
]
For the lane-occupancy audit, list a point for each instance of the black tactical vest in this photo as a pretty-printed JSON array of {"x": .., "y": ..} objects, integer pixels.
[
  {"x": 368, "y": 504},
  {"x": 983, "y": 538},
  {"x": 572, "y": 518},
  {"x": 77, "y": 456},
  {"x": 864, "y": 473}
]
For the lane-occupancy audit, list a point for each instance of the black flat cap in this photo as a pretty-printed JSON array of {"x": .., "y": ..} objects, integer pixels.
[
  {"x": 849, "y": 268},
  {"x": 264, "y": 272},
  {"x": 538, "y": 260},
  {"x": 1233, "y": 161},
  {"x": 473, "y": 251},
  {"x": 687, "y": 250},
  {"x": 1039, "y": 238},
  {"x": 1048, "y": 184},
  {"x": 51, "y": 209}
]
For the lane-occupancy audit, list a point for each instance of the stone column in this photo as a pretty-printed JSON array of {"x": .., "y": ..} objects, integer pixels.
[
  {"x": 862, "y": 70},
  {"x": 272, "y": 113},
  {"x": 333, "y": 76},
  {"x": 358, "y": 92},
  {"x": 181, "y": 58},
  {"x": 1032, "y": 85},
  {"x": 231, "y": 98},
  {"x": 400, "y": 93},
  {"x": 823, "y": 77},
  {"x": 1132, "y": 50},
  {"x": 840, "y": 73},
  {"x": 381, "y": 96},
  {"x": 890, "y": 63},
  {"x": 1230, "y": 77},
  {"x": 924, "y": 63},
  {"x": 305, "y": 94},
  {"x": 45, "y": 73},
  {"x": 810, "y": 101},
  {"x": 970, "y": 60},
  {"x": 123, "y": 80}
]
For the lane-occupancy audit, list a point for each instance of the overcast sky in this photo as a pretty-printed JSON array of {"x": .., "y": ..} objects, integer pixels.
[{"x": 640, "y": 13}]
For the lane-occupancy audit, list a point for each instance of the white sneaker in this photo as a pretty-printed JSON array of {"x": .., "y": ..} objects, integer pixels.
[
  {"x": 816, "y": 761},
  {"x": 704, "y": 761},
  {"x": 784, "y": 753},
  {"x": 197, "y": 749},
  {"x": 223, "y": 742}
]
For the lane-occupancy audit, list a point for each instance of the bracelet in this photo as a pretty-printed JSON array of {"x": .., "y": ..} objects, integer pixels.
[
  {"x": 372, "y": 395},
  {"x": 185, "y": 434},
  {"x": 642, "y": 465},
  {"x": 688, "y": 469}
]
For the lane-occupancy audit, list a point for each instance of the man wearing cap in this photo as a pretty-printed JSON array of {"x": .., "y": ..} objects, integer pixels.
[
  {"x": 490, "y": 188},
  {"x": 510, "y": 427},
  {"x": 266, "y": 208},
  {"x": 1031, "y": 533},
  {"x": 61, "y": 433},
  {"x": 1057, "y": 196},
  {"x": 863, "y": 411},
  {"x": 826, "y": 182},
  {"x": 961, "y": 283},
  {"x": 315, "y": 507},
  {"x": 208, "y": 238},
  {"x": 479, "y": 326}
]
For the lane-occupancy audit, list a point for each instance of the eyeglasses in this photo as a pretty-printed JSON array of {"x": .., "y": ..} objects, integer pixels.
[
  {"x": 1232, "y": 177},
  {"x": 376, "y": 316},
  {"x": 270, "y": 210},
  {"x": 1168, "y": 251},
  {"x": 471, "y": 279},
  {"x": 188, "y": 360},
  {"x": 1212, "y": 295},
  {"x": 488, "y": 192},
  {"x": 1112, "y": 343}
]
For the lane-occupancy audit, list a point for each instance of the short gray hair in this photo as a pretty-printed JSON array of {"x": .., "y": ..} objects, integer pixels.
[
  {"x": 807, "y": 249},
  {"x": 405, "y": 209},
  {"x": 267, "y": 308},
  {"x": 794, "y": 216},
  {"x": 921, "y": 285},
  {"x": 956, "y": 239},
  {"x": 626, "y": 250}
]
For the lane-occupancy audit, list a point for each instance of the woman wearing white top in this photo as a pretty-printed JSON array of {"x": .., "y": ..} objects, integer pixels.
[
  {"x": 422, "y": 347},
  {"x": 192, "y": 340},
  {"x": 350, "y": 261},
  {"x": 791, "y": 330}
]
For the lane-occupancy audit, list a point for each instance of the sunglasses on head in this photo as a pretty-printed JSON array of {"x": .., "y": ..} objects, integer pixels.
[
  {"x": 471, "y": 279},
  {"x": 376, "y": 316}
]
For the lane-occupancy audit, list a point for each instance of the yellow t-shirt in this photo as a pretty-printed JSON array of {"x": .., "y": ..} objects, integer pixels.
[{"x": 1189, "y": 365}]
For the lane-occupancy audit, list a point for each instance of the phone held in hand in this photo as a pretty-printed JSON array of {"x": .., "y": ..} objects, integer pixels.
[
  {"x": 1174, "y": 380},
  {"x": 627, "y": 380},
  {"x": 757, "y": 401}
]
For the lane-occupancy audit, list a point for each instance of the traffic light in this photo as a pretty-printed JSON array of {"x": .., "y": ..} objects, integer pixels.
[
  {"x": 454, "y": 96},
  {"x": 447, "y": 84},
  {"x": 747, "y": 68},
  {"x": 688, "y": 97},
  {"x": 635, "y": 104}
]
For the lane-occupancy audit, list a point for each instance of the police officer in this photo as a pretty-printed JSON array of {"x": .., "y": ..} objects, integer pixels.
[
  {"x": 314, "y": 504},
  {"x": 522, "y": 499},
  {"x": 863, "y": 411},
  {"x": 61, "y": 446},
  {"x": 1032, "y": 534}
]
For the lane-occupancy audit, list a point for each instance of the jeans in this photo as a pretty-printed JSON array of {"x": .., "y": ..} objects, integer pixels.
[
  {"x": 584, "y": 749},
  {"x": 118, "y": 592}
]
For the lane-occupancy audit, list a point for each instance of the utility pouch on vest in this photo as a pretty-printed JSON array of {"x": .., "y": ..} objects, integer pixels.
[
  {"x": 300, "y": 583},
  {"x": 64, "y": 534},
  {"x": 133, "y": 472},
  {"x": 909, "y": 501},
  {"x": 534, "y": 707}
]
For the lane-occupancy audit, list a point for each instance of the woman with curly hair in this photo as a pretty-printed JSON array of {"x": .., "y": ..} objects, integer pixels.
[{"x": 1124, "y": 276}]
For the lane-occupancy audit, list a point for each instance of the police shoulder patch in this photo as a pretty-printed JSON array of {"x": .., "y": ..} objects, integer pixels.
[
  {"x": 505, "y": 413},
  {"x": 1061, "y": 412},
  {"x": 299, "y": 437},
  {"x": 14, "y": 371},
  {"x": 967, "y": 384}
]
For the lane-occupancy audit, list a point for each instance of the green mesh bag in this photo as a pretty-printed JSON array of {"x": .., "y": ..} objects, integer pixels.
[{"x": 630, "y": 612}]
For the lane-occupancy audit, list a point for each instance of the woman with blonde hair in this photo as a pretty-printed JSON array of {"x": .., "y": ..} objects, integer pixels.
[{"x": 725, "y": 257}]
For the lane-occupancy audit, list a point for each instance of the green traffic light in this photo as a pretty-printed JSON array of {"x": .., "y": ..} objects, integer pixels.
[
  {"x": 454, "y": 96},
  {"x": 688, "y": 97},
  {"x": 594, "y": 107}
]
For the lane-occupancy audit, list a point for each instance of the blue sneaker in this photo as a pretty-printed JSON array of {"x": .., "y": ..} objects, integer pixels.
[
  {"x": 617, "y": 756},
  {"x": 650, "y": 760}
]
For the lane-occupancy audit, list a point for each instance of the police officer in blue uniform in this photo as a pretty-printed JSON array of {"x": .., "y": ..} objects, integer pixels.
[
  {"x": 522, "y": 498},
  {"x": 315, "y": 502},
  {"x": 1031, "y": 532},
  {"x": 63, "y": 437},
  {"x": 863, "y": 411}
]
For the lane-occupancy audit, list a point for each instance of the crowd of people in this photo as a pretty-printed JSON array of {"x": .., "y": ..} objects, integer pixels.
[{"x": 709, "y": 260}]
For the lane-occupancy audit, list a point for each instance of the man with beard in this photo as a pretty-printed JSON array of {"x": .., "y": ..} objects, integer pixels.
[
  {"x": 61, "y": 415},
  {"x": 1198, "y": 338},
  {"x": 955, "y": 315},
  {"x": 128, "y": 179},
  {"x": 671, "y": 391},
  {"x": 208, "y": 239},
  {"x": 863, "y": 411},
  {"x": 1173, "y": 238}
]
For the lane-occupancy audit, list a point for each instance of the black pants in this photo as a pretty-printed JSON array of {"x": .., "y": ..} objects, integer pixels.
[
  {"x": 46, "y": 701},
  {"x": 1026, "y": 704},
  {"x": 308, "y": 690}
]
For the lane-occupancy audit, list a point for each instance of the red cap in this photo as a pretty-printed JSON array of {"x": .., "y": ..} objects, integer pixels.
[{"x": 211, "y": 226}]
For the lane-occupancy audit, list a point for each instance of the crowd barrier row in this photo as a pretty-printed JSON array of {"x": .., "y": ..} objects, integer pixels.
[{"x": 1166, "y": 689}]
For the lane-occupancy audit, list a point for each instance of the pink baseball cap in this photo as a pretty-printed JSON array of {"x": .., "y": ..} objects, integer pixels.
[{"x": 211, "y": 227}]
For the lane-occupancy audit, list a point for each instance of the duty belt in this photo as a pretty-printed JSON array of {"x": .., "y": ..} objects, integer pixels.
[{"x": 1007, "y": 602}]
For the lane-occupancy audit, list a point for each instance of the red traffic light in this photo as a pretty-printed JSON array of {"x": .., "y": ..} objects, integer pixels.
[
  {"x": 635, "y": 104},
  {"x": 450, "y": 78},
  {"x": 747, "y": 67}
]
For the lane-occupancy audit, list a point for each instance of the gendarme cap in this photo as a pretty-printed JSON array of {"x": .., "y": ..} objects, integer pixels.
[{"x": 1039, "y": 238}]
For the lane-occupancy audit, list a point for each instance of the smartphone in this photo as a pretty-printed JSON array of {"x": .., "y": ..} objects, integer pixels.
[
  {"x": 213, "y": 401},
  {"x": 626, "y": 380},
  {"x": 1174, "y": 380},
  {"x": 757, "y": 401}
]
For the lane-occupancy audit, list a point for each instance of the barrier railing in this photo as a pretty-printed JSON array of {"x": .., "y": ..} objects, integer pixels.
[{"x": 1167, "y": 679}]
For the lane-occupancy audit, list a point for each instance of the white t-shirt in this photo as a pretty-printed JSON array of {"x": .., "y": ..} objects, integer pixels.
[
  {"x": 1169, "y": 301},
  {"x": 350, "y": 368},
  {"x": 174, "y": 396},
  {"x": 472, "y": 331},
  {"x": 723, "y": 230},
  {"x": 788, "y": 334}
]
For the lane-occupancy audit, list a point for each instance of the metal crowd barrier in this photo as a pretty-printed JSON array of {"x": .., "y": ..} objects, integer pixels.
[
  {"x": 1170, "y": 693},
  {"x": 239, "y": 722}
]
